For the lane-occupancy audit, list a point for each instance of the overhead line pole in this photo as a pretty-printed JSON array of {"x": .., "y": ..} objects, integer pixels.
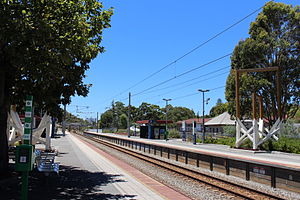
[
  {"x": 97, "y": 122},
  {"x": 203, "y": 123},
  {"x": 166, "y": 132},
  {"x": 128, "y": 118}
]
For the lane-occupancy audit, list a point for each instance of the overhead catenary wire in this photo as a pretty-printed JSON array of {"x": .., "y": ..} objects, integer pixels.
[
  {"x": 189, "y": 52},
  {"x": 192, "y": 94},
  {"x": 182, "y": 74},
  {"x": 181, "y": 83},
  {"x": 177, "y": 89},
  {"x": 257, "y": 61}
]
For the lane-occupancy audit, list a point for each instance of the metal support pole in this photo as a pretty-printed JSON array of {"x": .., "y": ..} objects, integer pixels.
[
  {"x": 24, "y": 190},
  {"x": 97, "y": 122},
  {"x": 194, "y": 134},
  {"x": 166, "y": 132},
  {"x": 64, "y": 120},
  {"x": 203, "y": 123},
  {"x": 128, "y": 118}
]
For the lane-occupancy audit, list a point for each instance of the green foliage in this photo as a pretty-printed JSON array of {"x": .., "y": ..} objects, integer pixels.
[
  {"x": 179, "y": 113},
  {"x": 46, "y": 47},
  {"x": 284, "y": 144},
  {"x": 173, "y": 133},
  {"x": 106, "y": 119},
  {"x": 289, "y": 130},
  {"x": 74, "y": 119},
  {"x": 273, "y": 41},
  {"x": 218, "y": 109},
  {"x": 229, "y": 131},
  {"x": 116, "y": 116},
  {"x": 123, "y": 121},
  {"x": 149, "y": 111},
  {"x": 230, "y": 141},
  {"x": 297, "y": 116}
]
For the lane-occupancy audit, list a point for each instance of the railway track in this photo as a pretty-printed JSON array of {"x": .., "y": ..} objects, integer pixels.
[{"x": 232, "y": 189}]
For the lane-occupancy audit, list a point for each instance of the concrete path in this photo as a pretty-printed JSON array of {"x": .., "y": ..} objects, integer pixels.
[{"x": 119, "y": 180}]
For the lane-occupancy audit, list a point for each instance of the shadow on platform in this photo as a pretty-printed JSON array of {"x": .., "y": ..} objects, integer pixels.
[{"x": 71, "y": 183}]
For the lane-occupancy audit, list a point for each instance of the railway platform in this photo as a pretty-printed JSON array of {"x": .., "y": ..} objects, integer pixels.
[
  {"x": 279, "y": 159},
  {"x": 112, "y": 178}
]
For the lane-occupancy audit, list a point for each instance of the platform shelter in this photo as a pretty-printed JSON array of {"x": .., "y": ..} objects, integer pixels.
[{"x": 153, "y": 129}]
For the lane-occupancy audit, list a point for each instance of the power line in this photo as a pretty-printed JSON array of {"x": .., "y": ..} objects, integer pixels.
[
  {"x": 191, "y": 51},
  {"x": 181, "y": 83},
  {"x": 257, "y": 61},
  {"x": 182, "y": 74},
  {"x": 192, "y": 94},
  {"x": 175, "y": 90}
]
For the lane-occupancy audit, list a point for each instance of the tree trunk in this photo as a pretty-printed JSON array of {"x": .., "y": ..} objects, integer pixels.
[{"x": 4, "y": 105}]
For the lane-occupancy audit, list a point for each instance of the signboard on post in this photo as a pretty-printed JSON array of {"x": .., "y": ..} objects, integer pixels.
[
  {"x": 24, "y": 152},
  {"x": 28, "y": 120}
]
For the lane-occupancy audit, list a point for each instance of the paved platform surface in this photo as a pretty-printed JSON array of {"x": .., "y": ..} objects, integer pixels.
[
  {"x": 116, "y": 179},
  {"x": 286, "y": 160}
]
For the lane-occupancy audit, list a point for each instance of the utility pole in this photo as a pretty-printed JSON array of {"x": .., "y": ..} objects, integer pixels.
[
  {"x": 166, "y": 135},
  {"x": 194, "y": 134},
  {"x": 128, "y": 118},
  {"x": 97, "y": 122},
  {"x": 64, "y": 120},
  {"x": 203, "y": 125}
]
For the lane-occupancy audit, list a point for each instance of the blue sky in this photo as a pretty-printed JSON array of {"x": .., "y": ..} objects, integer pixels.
[{"x": 147, "y": 35}]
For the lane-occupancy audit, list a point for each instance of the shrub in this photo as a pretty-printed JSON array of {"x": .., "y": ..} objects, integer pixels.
[
  {"x": 173, "y": 133},
  {"x": 229, "y": 131},
  {"x": 289, "y": 130}
]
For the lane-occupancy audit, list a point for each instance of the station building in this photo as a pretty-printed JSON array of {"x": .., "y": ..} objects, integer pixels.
[{"x": 153, "y": 129}]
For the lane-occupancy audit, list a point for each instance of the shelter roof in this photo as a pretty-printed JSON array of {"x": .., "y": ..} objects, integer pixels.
[
  {"x": 154, "y": 122},
  {"x": 197, "y": 120},
  {"x": 223, "y": 119}
]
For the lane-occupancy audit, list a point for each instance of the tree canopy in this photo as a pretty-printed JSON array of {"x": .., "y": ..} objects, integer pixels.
[
  {"x": 273, "y": 41},
  {"x": 116, "y": 115},
  {"x": 45, "y": 49},
  {"x": 218, "y": 109}
]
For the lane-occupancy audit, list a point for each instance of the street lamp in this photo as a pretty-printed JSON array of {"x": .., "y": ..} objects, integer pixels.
[
  {"x": 203, "y": 132},
  {"x": 167, "y": 100}
]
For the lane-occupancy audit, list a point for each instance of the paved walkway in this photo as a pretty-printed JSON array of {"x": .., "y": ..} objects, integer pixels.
[
  {"x": 286, "y": 160},
  {"x": 116, "y": 179}
]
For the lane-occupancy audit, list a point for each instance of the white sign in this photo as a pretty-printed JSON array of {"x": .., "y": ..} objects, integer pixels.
[
  {"x": 22, "y": 159},
  {"x": 26, "y": 137},
  {"x": 27, "y": 114},
  {"x": 183, "y": 126},
  {"x": 29, "y": 103},
  {"x": 27, "y": 125}
]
